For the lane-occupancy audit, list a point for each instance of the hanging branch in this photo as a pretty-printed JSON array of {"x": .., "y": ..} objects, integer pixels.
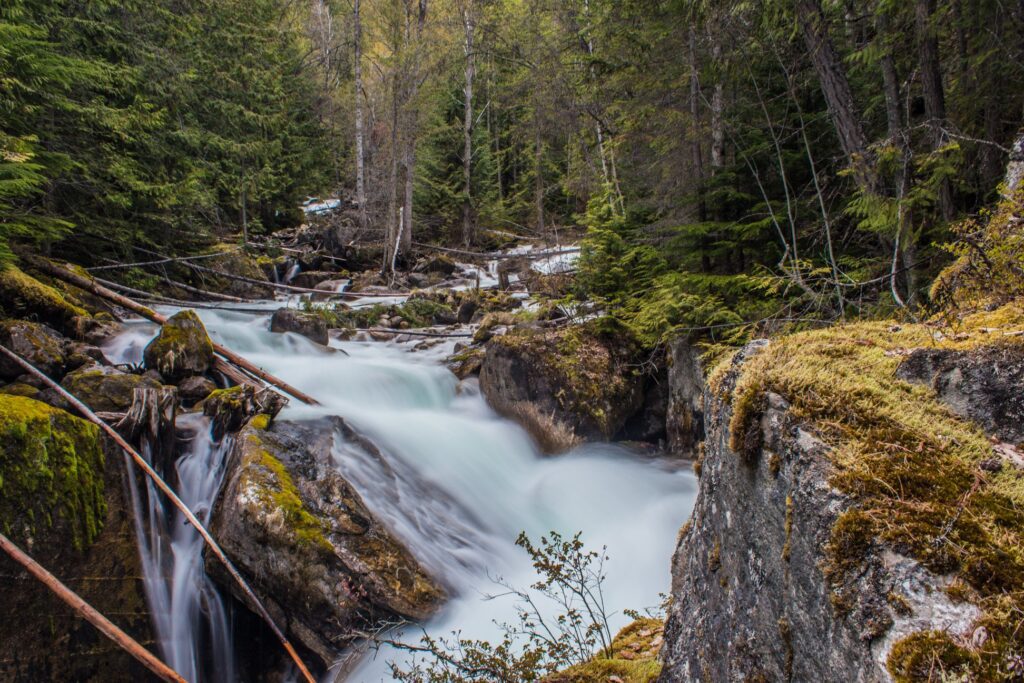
[
  {"x": 172, "y": 496},
  {"x": 148, "y": 313},
  {"x": 90, "y": 614}
]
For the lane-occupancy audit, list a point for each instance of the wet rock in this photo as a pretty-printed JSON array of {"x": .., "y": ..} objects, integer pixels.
[
  {"x": 309, "y": 325},
  {"x": 80, "y": 355},
  {"x": 466, "y": 362},
  {"x": 104, "y": 388},
  {"x": 313, "y": 552},
  {"x": 648, "y": 424},
  {"x": 466, "y": 312},
  {"x": 182, "y": 349},
  {"x": 329, "y": 287},
  {"x": 231, "y": 408},
  {"x": 684, "y": 420},
  {"x": 192, "y": 390},
  {"x": 96, "y": 330},
  {"x": 564, "y": 385},
  {"x": 750, "y": 597},
  {"x": 983, "y": 385},
  {"x": 440, "y": 264},
  {"x": 310, "y": 279},
  {"x": 40, "y": 345},
  {"x": 88, "y": 540}
]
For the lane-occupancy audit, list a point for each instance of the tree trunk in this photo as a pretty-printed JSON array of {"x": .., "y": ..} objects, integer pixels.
[
  {"x": 467, "y": 127},
  {"x": 695, "y": 142},
  {"x": 717, "y": 115},
  {"x": 934, "y": 95},
  {"x": 360, "y": 154},
  {"x": 836, "y": 88}
]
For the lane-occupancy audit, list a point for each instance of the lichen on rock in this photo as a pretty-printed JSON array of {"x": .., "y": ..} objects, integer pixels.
[
  {"x": 182, "y": 349},
  {"x": 51, "y": 472}
]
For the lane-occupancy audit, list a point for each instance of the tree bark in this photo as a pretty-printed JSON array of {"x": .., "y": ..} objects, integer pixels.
[
  {"x": 357, "y": 28},
  {"x": 934, "y": 94},
  {"x": 836, "y": 88},
  {"x": 695, "y": 143},
  {"x": 468, "y": 24}
]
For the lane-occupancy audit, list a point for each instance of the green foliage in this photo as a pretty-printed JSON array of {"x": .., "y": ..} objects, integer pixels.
[{"x": 570, "y": 578}]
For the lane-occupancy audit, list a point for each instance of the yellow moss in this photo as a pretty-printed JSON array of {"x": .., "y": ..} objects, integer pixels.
[
  {"x": 51, "y": 472},
  {"x": 909, "y": 464},
  {"x": 633, "y": 657},
  {"x": 278, "y": 491},
  {"x": 261, "y": 422},
  {"x": 24, "y": 294}
]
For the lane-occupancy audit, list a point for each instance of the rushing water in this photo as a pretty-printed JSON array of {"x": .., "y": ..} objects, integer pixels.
[{"x": 458, "y": 485}]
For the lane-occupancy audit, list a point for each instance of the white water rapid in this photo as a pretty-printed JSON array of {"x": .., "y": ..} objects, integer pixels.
[{"x": 437, "y": 436}]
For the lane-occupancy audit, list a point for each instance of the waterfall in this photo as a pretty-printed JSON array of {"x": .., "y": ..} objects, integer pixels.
[
  {"x": 189, "y": 616},
  {"x": 453, "y": 480}
]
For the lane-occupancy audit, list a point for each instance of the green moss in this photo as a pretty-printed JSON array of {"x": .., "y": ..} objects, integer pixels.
[
  {"x": 21, "y": 294},
  {"x": 278, "y": 492},
  {"x": 20, "y": 389},
  {"x": 930, "y": 656},
  {"x": 51, "y": 474},
  {"x": 910, "y": 466}
]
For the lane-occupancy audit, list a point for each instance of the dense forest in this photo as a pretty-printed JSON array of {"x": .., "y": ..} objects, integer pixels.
[{"x": 729, "y": 161}]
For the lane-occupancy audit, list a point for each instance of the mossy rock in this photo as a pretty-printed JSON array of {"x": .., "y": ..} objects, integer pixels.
[
  {"x": 106, "y": 389},
  {"x": 23, "y": 296},
  {"x": 287, "y": 518},
  {"x": 632, "y": 657},
  {"x": 572, "y": 381},
  {"x": 182, "y": 349},
  {"x": 51, "y": 473},
  {"x": 38, "y": 344}
]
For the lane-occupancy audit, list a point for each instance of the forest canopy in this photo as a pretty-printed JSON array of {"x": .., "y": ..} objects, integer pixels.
[{"x": 728, "y": 161}]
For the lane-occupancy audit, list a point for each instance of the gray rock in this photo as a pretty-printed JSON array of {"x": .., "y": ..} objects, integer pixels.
[
  {"x": 194, "y": 389},
  {"x": 985, "y": 385},
  {"x": 466, "y": 312},
  {"x": 40, "y": 345},
  {"x": 309, "y": 325},
  {"x": 750, "y": 600},
  {"x": 106, "y": 389},
  {"x": 313, "y": 552}
]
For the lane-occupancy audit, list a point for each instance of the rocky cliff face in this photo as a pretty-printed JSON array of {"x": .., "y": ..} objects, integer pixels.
[{"x": 773, "y": 581}]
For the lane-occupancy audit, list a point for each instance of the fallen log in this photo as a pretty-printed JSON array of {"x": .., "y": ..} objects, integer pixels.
[
  {"x": 166, "y": 259},
  {"x": 172, "y": 496},
  {"x": 148, "y": 313},
  {"x": 498, "y": 255},
  {"x": 90, "y": 614}
]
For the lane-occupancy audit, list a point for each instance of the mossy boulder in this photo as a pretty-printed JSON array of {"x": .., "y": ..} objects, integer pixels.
[
  {"x": 51, "y": 473},
  {"x": 307, "y": 324},
  {"x": 40, "y": 345},
  {"x": 230, "y": 408},
  {"x": 631, "y": 658},
  {"x": 23, "y": 296},
  {"x": 41, "y": 639},
  {"x": 312, "y": 550},
  {"x": 105, "y": 388},
  {"x": 564, "y": 385},
  {"x": 182, "y": 349}
]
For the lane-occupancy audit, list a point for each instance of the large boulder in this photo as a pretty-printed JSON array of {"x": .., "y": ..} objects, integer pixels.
[
  {"x": 564, "y": 385},
  {"x": 307, "y": 324},
  {"x": 106, "y": 389},
  {"x": 182, "y": 349},
  {"x": 63, "y": 500},
  {"x": 315, "y": 555},
  {"x": 23, "y": 296},
  {"x": 40, "y": 345}
]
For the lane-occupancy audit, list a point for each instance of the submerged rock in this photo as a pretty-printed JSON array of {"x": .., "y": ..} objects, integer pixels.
[
  {"x": 182, "y": 349},
  {"x": 313, "y": 552},
  {"x": 309, "y": 325},
  {"x": 564, "y": 386}
]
